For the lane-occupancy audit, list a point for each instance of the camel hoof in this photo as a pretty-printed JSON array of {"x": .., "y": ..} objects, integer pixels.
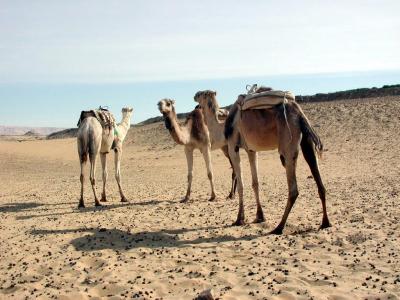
[
  {"x": 325, "y": 225},
  {"x": 212, "y": 199},
  {"x": 239, "y": 223},
  {"x": 276, "y": 231},
  {"x": 81, "y": 205},
  {"x": 185, "y": 200},
  {"x": 97, "y": 204},
  {"x": 124, "y": 200},
  {"x": 103, "y": 200},
  {"x": 259, "y": 220},
  {"x": 230, "y": 197}
]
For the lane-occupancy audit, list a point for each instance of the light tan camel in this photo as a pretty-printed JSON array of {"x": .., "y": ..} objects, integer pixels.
[
  {"x": 193, "y": 134},
  {"x": 267, "y": 129},
  {"x": 93, "y": 140},
  {"x": 215, "y": 117}
]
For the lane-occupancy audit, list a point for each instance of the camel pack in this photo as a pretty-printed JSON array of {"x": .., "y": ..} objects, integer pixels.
[
  {"x": 263, "y": 98},
  {"x": 103, "y": 115}
]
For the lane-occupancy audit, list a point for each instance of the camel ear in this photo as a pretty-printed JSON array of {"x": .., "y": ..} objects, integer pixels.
[
  {"x": 131, "y": 110},
  {"x": 215, "y": 93},
  {"x": 172, "y": 101}
]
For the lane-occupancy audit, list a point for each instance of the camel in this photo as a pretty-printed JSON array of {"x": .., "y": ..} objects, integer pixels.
[
  {"x": 213, "y": 115},
  {"x": 284, "y": 127},
  {"x": 193, "y": 134},
  {"x": 93, "y": 139}
]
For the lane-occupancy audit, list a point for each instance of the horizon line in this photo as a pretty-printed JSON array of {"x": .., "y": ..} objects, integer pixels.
[{"x": 136, "y": 123}]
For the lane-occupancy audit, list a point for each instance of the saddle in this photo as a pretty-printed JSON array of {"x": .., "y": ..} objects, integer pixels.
[
  {"x": 103, "y": 115},
  {"x": 263, "y": 98}
]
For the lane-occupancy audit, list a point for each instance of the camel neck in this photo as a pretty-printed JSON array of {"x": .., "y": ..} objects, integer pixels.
[
  {"x": 211, "y": 120},
  {"x": 124, "y": 126},
  {"x": 175, "y": 130}
]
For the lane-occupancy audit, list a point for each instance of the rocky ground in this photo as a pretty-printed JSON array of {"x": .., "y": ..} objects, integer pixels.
[{"x": 155, "y": 247}]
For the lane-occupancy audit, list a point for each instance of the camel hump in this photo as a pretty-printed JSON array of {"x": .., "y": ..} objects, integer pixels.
[{"x": 198, "y": 131}]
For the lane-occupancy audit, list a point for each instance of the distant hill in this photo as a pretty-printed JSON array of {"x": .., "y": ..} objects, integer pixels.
[
  {"x": 31, "y": 133},
  {"x": 386, "y": 90},
  {"x": 63, "y": 134},
  {"x": 19, "y": 130}
]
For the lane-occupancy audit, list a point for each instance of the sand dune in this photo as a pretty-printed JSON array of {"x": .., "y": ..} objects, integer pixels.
[{"x": 154, "y": 247}]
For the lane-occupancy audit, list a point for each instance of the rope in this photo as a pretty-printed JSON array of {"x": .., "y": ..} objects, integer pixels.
[{"x": 285, "y": 101}]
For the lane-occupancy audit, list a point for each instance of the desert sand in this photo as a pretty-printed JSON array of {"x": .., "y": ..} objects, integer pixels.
[{"x": 155, "y": 247}]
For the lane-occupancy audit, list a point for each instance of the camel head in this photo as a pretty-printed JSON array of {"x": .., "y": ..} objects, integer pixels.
[
  {"x": 166, "y": 106},
  {"x": 208, "y": 102},
  {"x": 127, "y": 111}
]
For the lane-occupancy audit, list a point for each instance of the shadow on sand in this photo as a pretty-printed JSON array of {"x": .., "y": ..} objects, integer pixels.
[
  {"x": 14, "y": 207},
  {"x": 115, "y": 239},
  {"x": 76, "y": 210}
]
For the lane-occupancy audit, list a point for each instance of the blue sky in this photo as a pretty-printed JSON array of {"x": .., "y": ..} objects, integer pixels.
[{"x": 59, "y": 57}]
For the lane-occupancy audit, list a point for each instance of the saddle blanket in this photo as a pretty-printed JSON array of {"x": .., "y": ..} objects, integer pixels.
[
  {"x": 105, "y": 117},
  {"x": 266, "y": 99}
]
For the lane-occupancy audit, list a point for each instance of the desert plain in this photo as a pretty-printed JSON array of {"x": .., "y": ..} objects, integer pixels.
[{"x": 155, "y": 247}]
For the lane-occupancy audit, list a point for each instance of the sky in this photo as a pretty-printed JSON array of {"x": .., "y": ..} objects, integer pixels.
[{"x": 60, "y": 57}]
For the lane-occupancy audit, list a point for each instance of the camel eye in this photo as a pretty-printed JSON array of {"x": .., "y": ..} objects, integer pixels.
[{"x": 168, "y": 104}]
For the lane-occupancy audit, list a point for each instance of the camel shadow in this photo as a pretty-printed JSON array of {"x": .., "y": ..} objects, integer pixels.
[
  {"x": 104, "y": 207},
  {"x": 14, "y": 207},
  {"x": 115, "y": 239},
  {"x": 19, "y": 206}
]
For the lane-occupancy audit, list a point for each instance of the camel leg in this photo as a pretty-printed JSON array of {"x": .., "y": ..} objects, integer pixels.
[
  {"x": 117, "y": 161},
  {"x": 309, "y": 155},
  {"x": 93, "y": 159},
  {"x": 82, "y": 179},
  {"x": 254, "y": 175},
  {"x": 189, "y": 160},
  {"x": 103, "y": 158},
  {"x": 233, "y": 185},
  {"x": 235, "y": 157},
  {"x": 207, "y": 158},
  {"x": 290, "y": 161}
]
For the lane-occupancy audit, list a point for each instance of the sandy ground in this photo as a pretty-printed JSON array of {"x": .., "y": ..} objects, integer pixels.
[{"x": 155, "y": 247}]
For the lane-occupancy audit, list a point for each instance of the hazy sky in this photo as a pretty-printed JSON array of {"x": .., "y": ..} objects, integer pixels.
[{"x": 118, "y": 42}]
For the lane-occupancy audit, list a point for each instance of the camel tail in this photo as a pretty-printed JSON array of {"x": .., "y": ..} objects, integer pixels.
[
  {"x": 309, "y": 132},
  {"x": 84, "y": 144},
  {"x": 83, "y": 148}
]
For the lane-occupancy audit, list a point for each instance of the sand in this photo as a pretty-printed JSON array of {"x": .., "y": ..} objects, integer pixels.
[{"x": 155, "y": 247}]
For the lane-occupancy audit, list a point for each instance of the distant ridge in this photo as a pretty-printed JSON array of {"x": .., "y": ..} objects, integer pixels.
[
  {"x": 63, "y": 134},
  {"x": 386, "y": 90},
  {"x": 19, "y": 130}
]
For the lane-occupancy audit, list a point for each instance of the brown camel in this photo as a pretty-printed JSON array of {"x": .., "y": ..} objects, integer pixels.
[
  {"x": 192, "y": 135},
  {"x": 284, "y": 127},
  {"x": 215, "y": 117}
]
